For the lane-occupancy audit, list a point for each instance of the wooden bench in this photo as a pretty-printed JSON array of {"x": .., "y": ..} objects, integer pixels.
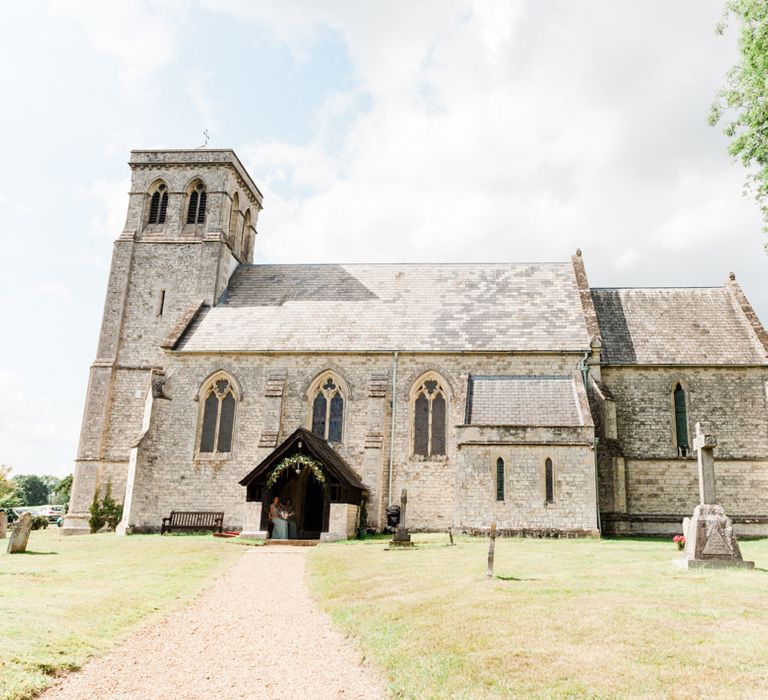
[{"x": 192, "y": 520}]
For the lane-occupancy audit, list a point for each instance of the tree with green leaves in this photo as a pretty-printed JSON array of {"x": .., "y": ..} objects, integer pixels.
[
  {"x": 743, "y": 103},
  {"x": 32, "y": 489},
  {"x": 59, "y": 495},
  {"x": 9, "y": 492}
]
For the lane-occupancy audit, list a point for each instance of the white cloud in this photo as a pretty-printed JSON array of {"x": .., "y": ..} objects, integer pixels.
[
  {"x": 54, "y": 290},
  {"x": 140, "y": 35},
  {"x": 108, "y": 202}
]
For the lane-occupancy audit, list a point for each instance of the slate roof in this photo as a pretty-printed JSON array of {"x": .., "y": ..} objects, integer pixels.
[
  {"x": 675, "y": 326},
  {"x": 528, "y": 400},
  {"x": 317, "y": 448},
  {"x": 387, "y": 307}
]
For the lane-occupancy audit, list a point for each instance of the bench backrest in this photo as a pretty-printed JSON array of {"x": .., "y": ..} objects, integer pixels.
[{"x": 186, "y": 518}]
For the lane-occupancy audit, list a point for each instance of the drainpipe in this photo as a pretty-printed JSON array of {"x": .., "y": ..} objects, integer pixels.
[{"x": 392, "y": 427}]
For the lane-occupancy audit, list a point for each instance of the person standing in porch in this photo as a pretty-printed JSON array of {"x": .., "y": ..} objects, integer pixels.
[{"x": 272, "y": 514}]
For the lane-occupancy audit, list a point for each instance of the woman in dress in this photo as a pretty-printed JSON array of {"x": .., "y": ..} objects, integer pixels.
[{"x": 272, "y": 514}]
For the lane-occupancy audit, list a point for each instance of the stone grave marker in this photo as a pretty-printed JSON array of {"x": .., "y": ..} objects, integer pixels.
[
  {"x": 20, "y": 534},
  {"x": 709, "y": 537},
  {"x": 3, "y": 524},
  {"x": 402, "y": 537}
]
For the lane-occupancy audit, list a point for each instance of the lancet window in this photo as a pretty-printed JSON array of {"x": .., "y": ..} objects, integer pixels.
[
  {"x": 681, "y": 421},
  {"x": 549, "y": 481},
  {"x": 499, "y": 479}
]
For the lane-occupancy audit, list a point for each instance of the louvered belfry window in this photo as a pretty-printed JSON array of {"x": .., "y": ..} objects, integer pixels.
[
  {"x": 218, "y": 418},
  {"x": 681, "y": 421},
  {"x": 328, "y": 411},
  {"x": 499, "y": 479},
  {"x": 429, "y": 411},
  {"x": 197, "y": 201},
  {"x": 158, "y": 205}
]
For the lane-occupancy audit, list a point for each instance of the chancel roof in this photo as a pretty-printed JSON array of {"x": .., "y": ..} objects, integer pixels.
[
  {"x": 388, "y": 307},
  {"x": 675, "y": 326},
  {"x": 526, "y": 400}
]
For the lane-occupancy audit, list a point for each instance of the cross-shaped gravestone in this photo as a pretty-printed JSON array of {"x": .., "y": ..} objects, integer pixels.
[
  {"x": 709, "y": 537},
  {"x": 704, "y": 442}
]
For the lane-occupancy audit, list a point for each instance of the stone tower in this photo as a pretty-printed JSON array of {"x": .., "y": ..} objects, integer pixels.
[{"x": 191, "y": 221}]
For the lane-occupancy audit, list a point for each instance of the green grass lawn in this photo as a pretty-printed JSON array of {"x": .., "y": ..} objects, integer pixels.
[
  {"x": 68, "y": 598},
  {"x": 562, "y": 619}
]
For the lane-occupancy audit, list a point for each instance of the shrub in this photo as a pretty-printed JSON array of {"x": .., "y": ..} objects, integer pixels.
[
  {"x": 39, "y": 522},
  {"x": 97, "y": 519},
  {"x": 111, "y": 510},
  {"x": 105, "y": 512}
]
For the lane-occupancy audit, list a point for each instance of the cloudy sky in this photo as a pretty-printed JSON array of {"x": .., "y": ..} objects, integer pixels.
[{"x": 426, "y": 130}]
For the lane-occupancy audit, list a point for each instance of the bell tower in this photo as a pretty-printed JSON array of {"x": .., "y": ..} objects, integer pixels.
[{"x": 191, "y": 221}]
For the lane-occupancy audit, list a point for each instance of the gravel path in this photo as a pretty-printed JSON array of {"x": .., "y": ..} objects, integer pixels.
[{"x": 220, "y": 645}]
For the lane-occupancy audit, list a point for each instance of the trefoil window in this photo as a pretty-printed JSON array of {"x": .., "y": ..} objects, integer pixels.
[
  {"x": 218, "y": 417},
  {"x": 328, "y": 411},
  {"x": 429, "y": 411}
]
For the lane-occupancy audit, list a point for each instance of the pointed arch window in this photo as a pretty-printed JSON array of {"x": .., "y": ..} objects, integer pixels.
[
  {"x": 234, "y": 218},
  {"x": 681, "y": 421},
  {"x": 549, "y": 481},
  {"x": 158, "y": 204},
  {"x": 197, "y": 202},
  {"x": 218, "y": 417},
  {"x": 328, "y": 411},
  {"x": 499, "y": 479},
  {"x": 429, "y": 412}
]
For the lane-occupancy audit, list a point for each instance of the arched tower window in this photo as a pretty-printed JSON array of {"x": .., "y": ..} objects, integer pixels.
[
  {"x": 246, "y": 233},
  {"x": 234, "y": 218},
  {"x": 681, "y": 421},
  {"x": 218, "y": 415},
  {"x": 158, "y": 204},
  {"x": 429, "y": 413},
  {"x": 549, "y": 481},
  {"x": 328, "y": 409},
  {"x": 499, "y": 479},
  {"x": 197, "y": 202}
]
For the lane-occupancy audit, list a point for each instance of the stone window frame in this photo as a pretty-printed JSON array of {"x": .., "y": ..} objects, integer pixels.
[
  {"x": 503, "y": 484},
  {"x": 673, "y": 416},
  {"x": 551, "y": 461},
  {"x": 205, "y": 389},
  {"x": 234, "y": 220},
  {"x": 193, "y": 186},
  {"x": 316, "y": 387},
  {"x": 444, "y": 386},
  {"x": 158, "y": 185}
]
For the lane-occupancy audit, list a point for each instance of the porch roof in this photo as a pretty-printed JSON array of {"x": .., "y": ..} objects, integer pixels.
[{"x": 314, "y": 446}]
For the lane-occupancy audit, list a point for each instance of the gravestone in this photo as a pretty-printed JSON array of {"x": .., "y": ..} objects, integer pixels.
[
  {"x": 402, "y": 537},
  {"x": 3, "y": 524},
  {"x": 20, "y": 534},
  {"x": 709, "y": 537}
]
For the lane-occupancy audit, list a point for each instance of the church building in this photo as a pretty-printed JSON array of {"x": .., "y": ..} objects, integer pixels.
[{"x": 512, "y": 392}]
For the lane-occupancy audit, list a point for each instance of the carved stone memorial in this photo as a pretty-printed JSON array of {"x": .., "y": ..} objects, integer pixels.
[
  {"x": 20, "y": 534},
  {"x": 709, "y": 537},
  {"x": 402, "y": 537},
  {"x": 3, "y": 524}
]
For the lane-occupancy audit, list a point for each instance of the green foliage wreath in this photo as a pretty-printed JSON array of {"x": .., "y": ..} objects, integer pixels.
[{"x": 297, "y": 461}]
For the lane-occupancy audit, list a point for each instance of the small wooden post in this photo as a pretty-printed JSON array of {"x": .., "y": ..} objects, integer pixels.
[
  {"x": 491, "y": 550},
  {"x": 450, "y": 535}
]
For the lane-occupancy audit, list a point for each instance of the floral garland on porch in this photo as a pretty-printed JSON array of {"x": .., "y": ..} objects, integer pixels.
[{"x": 298, "y": 462}]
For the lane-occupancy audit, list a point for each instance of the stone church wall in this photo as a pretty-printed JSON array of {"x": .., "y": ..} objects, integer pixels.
[
  {"x": 171, "y": 475},
  {"x": 661, "y": 487}
]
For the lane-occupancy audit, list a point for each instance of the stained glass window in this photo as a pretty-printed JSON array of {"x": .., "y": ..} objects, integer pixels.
[
  {"x": 328, "y": 411},
  {"x": 499, "y": 479}
]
